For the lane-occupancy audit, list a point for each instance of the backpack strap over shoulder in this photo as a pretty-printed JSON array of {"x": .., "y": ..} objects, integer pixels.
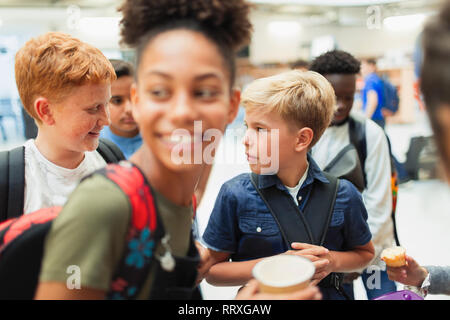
[
  {"x": 12, "y": 183},
  {"x": 109, "y": 151},
  {"x": 320, "y": 206},
  {"x": 4, "y": 182},
  {"x": 309, "y": 226},
  {"x": 357, "y": 131},
  {"x": 12, "y": 176},
  {"x": 145, "y": 231}
]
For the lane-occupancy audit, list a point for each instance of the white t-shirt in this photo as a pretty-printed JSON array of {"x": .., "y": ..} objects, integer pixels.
[
  {"x": 294, "y": 191},
  {"x": 47, "y": 184},
  {"x": 377, "y": 196}
]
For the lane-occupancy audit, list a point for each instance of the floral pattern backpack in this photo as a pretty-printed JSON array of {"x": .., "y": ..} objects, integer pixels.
[{"x": 22, "y": 240}]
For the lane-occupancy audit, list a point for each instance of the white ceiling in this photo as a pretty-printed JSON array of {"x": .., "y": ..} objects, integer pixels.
[
  {"x": 333, "y": 3},
  {"x": 314, "y": 3},
  {"x": 62, "y": 3},
  {"x": 307, "y": 12}
]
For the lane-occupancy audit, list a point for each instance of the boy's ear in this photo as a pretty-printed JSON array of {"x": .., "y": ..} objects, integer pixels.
[
  {"x": 44, "y": 111},
  {"x": 235, "y": 100},
  {"x": 304, "y": 138}
]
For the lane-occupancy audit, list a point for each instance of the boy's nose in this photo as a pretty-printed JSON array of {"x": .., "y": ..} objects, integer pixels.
[
  {"x": 339, "y": 103},
  {"x": 247, "y": 139},
  {"x": 104, "y": 117},
  {"x": 128, "y": 106}
]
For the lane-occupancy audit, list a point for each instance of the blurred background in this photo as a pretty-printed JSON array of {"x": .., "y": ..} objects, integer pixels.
[{"x": 285, "y": 31}]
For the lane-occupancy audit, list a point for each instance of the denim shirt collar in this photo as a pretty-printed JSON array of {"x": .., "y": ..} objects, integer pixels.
[{"x": 314, "y": 172}]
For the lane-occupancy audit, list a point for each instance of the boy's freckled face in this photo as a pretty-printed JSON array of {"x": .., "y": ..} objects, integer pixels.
[
  {"x": 172, "y": 93},
  {"x": 80, "y": 117},
  {"x": 269, "y": 141}
]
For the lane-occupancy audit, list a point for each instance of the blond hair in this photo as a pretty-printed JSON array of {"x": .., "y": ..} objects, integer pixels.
[
  {"x": 305, "y": 99},
  {"x": 52, "y": 64}
]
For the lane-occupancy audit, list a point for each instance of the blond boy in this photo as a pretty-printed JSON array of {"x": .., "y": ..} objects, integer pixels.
[
  {"x": 65, "y": 85},
  {"x": 285, "y": 116}
]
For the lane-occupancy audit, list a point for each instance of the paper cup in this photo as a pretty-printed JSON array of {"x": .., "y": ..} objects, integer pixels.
[{"x": 283, "y": 273}]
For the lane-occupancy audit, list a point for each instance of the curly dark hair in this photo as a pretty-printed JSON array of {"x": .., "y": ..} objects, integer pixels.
[
  {"x": 336, "y": 62},
  {"x": 224, "y": 22}
]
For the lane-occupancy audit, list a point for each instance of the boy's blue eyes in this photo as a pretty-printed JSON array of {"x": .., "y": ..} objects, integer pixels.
[{"x": 259, "y": 129}]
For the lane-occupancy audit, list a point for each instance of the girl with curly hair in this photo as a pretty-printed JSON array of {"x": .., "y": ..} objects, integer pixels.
[{"x": 184, "y": 73}]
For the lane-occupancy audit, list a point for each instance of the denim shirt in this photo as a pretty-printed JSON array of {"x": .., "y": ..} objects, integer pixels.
[{"x": 242, "y": 225}]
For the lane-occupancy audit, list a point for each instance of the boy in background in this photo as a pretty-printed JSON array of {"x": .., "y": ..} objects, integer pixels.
[
  {"x": 340, "y": 69},
  {"x": 372, "y": 94},
  {"x": 123, "y": 130}
]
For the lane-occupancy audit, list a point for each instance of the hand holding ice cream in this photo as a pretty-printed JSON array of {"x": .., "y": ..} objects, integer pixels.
[{"x": 407, "y": 271}]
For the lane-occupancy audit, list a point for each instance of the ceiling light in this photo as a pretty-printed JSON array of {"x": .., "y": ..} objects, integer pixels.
[
  {"x": 100, "y": 26},
  {"x": 403, "y": 23},
  {"x": 284, "y": 29},
  {"x": 334, "y": 3}
]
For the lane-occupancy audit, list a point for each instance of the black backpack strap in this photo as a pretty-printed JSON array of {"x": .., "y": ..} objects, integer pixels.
[
  {"x": 338, "y": 157},
  {"x": 296, "y": 226},
  {"x": 322, "y": 199},
  {"x": 109, "y": 151},
  {"x": 310, "y": 226},
  {"x": 292, "y": 224},
  {"x": 12, "y": 183},
  {"x": 357, "y": 132},
  {"x": 4, "y": 182},
  {"x": 320, "y": 206}
]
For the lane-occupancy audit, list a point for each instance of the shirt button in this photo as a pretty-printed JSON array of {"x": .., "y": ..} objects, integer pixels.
[
  {"x": 258, "y": 229},
  {"x": 299, "y": 198}
]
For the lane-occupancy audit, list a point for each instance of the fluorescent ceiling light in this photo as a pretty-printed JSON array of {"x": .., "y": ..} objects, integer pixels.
[
  {"x": 334, "y": 3},
  {"x": 100, "y": 26},
  {"x": 403, "y": 23},
  {"x": 284, "y": 28}
]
